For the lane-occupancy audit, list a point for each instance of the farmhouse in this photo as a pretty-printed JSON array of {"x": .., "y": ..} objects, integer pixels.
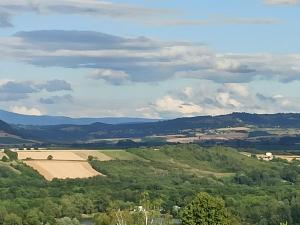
[{"x": 267, "y": 157}]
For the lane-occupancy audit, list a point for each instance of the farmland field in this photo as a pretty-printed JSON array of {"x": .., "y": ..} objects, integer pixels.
[
  {"x": 57, "y": 155},
  {"x": 288, "y": 157},
  {"x": 77, "y": 155},
  {"x": 172, "y": 174},
  {"x": 70, "y": 163},
  {"x": 62, "y": 169},
  {"x": 96, "y": 154},
  {"x": 64, "y": 164},
  {"x": 121, "y": 155}
]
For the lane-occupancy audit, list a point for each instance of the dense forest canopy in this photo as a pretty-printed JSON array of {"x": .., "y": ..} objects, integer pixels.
[{"x": 254, "y": 191}]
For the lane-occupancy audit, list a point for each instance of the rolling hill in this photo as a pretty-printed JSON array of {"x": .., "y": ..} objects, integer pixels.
[
  {"x": 6, "y": 128},
  {"x": 11, "y": 136},
  {"x": 253, "y": 190},
  {"x": 15, "y": 118},
  {"x": 83, "y": 133}
]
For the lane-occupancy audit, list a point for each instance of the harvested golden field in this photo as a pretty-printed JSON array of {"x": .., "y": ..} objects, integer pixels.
[
  {"x": 57, "y": 155},
  {"x": 288, "y": 157},
  {"x": 68, "y": 155},
  {"x": 69, "y": 163},
  {"x": 96, "y": 154},
  {"x": 62, "y": 169}
]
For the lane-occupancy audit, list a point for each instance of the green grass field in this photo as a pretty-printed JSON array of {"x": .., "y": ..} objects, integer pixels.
[{"x": 121, "y": 155}]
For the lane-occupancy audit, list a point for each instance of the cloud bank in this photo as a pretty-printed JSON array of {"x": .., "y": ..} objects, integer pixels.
[
  {"x": 79, "y": 7},
  {"x": 108, "y": 9},
  {"x": 17, "y": 90},
  {"x": 119, "y": 60},
  {"x": 224, "y": 99},
  {"x": 282, "y": 2}
]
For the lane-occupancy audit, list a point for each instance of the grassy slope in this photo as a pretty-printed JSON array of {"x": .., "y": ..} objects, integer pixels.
[
  {"x": 213, "y": 161},
  {"x": 121, "y": 155},
  {"x": 182, "y": 160},
  {"x": 178, "y": 172},
  {"x": 173, "y": 173}
]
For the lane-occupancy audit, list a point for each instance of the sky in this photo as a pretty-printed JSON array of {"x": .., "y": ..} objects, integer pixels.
[{"x": 149, "y": 58}]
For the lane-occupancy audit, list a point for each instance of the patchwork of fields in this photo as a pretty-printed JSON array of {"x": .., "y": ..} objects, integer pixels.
[
  {"x": 74, "y": 163},
  {"x": 69, "y": 163},
  {"x": 76, "y": 155}
]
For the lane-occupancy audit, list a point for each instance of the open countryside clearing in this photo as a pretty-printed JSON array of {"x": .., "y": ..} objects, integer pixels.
[
  {"x": 57, "y": 155},
  {"x": 76, "y": 155},
  {"x": 64, "y": 163},
  {"x": 69, "y": 163},
  {"x": 62, "y": 169},
  {"x": 288, "y": 157},
  {"x": 74, "y": 163}
]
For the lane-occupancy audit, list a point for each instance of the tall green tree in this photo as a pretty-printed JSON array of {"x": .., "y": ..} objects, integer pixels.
[
  {"x": 11, "y": 154},
  {"x": 205, "y": 210}
]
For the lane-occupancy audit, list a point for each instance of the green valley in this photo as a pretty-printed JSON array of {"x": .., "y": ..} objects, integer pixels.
[{"x": 254, "y": 191}]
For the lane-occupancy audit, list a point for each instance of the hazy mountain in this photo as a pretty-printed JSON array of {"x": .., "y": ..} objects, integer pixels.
[
  {"x": 6, "y": 128},
  {"x": 75, "y": 133},
  {"x": 14, "y": 118},
  {"x": 10, "y": 136}
]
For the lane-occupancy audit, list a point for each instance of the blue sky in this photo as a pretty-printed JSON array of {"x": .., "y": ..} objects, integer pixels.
[{"x": 149, "y": 58}]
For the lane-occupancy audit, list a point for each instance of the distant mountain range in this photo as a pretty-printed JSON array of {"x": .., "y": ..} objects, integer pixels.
[
  {"x": 74, "y": 133},
  {"x": 6, "y": 128},
  {"x": 97, "y": 131},
  {"x": 15, "y": 118}
]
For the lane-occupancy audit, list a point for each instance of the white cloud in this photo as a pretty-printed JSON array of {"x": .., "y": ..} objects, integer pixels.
[
  {"x": 231, "y": 66},
  {"x": 225, "y": 100},
  {"x": 82, "y": 7},
  {"x": 25, "y": 111},
  {"x": 209, "y": 99},
  {"x": 172, "y": 105},
  {"x": 135, "y": 13},
  {"x": 4, "y": 81},
  {"x": 115, "y": 77},
  {"x": 64, "y": 99},
  {"x": 148, "y": 112},
  {"x": 144, "y": 60},
  {"x": 237, "y": 89},
  {"x": 11, "y": 90},
  {"x": 282, "y": 2}
]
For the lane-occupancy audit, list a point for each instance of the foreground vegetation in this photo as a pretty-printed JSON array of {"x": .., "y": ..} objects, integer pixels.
[{"x": 254, "y": 192}]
